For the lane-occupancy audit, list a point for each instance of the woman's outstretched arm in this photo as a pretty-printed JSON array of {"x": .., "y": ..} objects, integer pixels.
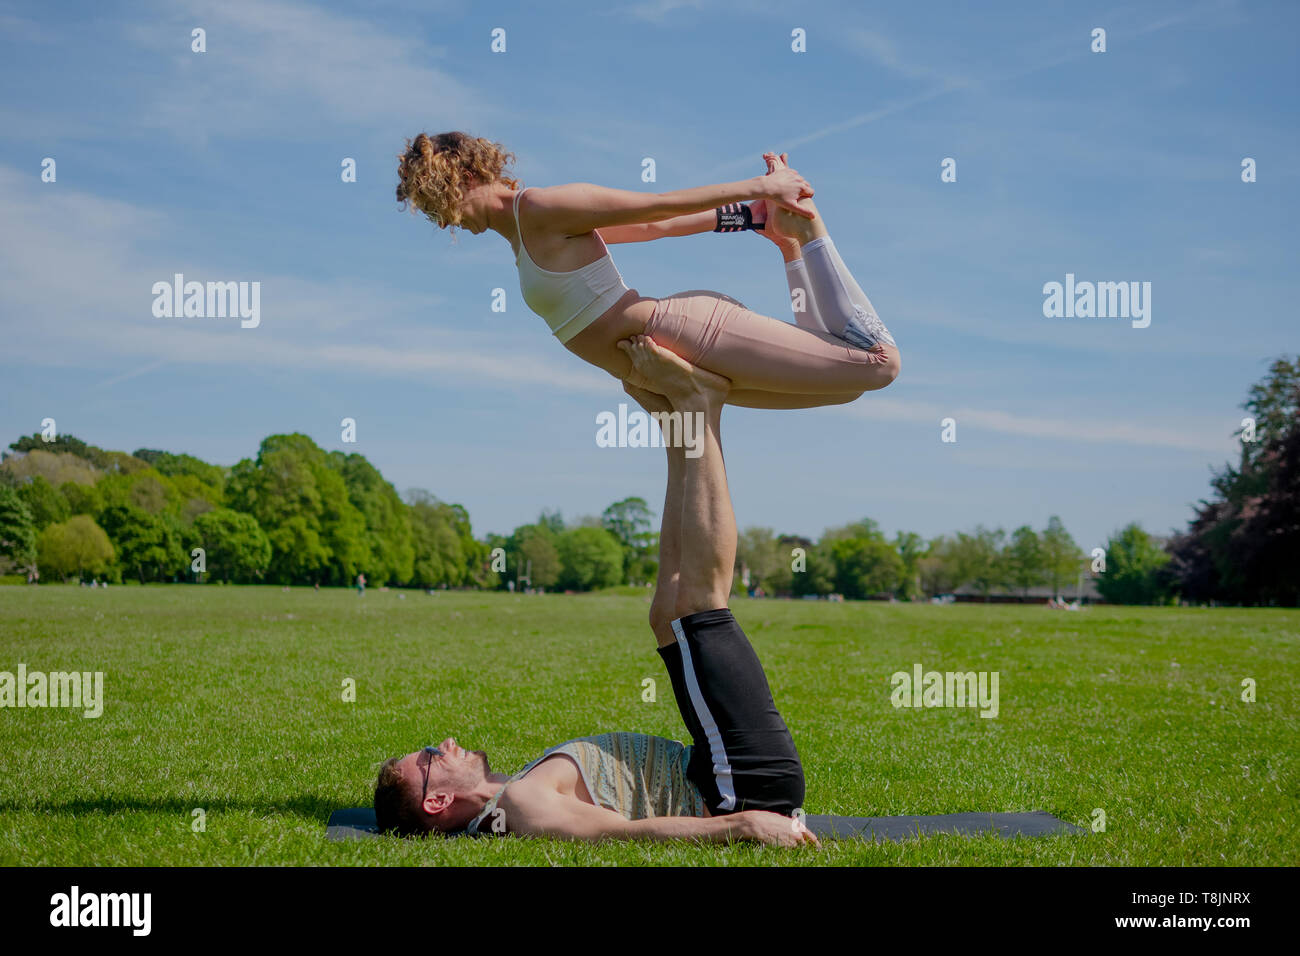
[
  {"x": 689, "y": 225},
  {"x": 577, "y": 208}
]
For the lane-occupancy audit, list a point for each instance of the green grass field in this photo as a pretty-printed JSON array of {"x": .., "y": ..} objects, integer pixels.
[{"x": 230, "y": 700}]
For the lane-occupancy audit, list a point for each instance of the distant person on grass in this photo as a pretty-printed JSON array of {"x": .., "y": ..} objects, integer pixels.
[{"x": 740, "y": 779}]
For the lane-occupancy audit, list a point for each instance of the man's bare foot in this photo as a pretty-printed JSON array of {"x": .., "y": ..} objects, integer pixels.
[
  {"x": 656, "y": 369},
  {"x": 651, "y": 401}
]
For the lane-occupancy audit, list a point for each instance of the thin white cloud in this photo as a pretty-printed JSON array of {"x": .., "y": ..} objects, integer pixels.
[
  {"x": 496, "y": 368},
  {"x": 1189, "y": 437},
  {"x": 75, "y": 290},
  {"x": 881, "y": 49},
  {"x": 134, "y": 373},
  {"x": 656, "y": 11},
  {"x": 276, "y": 67},
  {"x": 884, "y": 51}
]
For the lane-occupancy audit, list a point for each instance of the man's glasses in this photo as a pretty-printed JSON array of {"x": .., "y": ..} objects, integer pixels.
[{"x": 432, "y": 752}]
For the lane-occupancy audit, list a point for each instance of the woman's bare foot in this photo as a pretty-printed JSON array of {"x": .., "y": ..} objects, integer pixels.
[
  {"x": 772, "y": 229},
  {"x": 782, "y": 222},
  {"x": 787, "y": 243},
  {"x": 656, "y": 369},
  {"x": 803, "y": 230}
]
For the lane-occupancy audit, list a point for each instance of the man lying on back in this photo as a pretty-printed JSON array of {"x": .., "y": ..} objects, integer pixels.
[{"x": 740, "y": 779}]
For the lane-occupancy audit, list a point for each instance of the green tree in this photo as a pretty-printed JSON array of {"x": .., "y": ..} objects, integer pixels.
[
  {"x": 1241, "y": 546},
  {"x": 44, "y": 501},
  {"x": 553, "y": 521},
  {"x": 176, "y": 466},
  {"x": 1023, "y": 560},
  {"x": 1136, "y": 569},
  {"x": 72, "y": 446},
  {"x": 55, "y": 468},
  {"x": 1266, "y": 546},
  {"x": 590, "y": 558},
  {"x": 977, "y": 559},
  {"x": 76, "y": 547},
  {"x": 148, "y": 546},
  {"x": 632, "y": 522},
  {"x": 82, "y": 499},
  {"x": 493, "y": 575},
  {"x": 939, "y": 569},
  {"x": 302, "y": 506},
  {"x": 911, "y": 550},
  {"x": 865, "y": 528},
  {"x": 1061, "y": 556},
  {"x": 145, "y": 489},
  {"x": 446, "y": 553},
  {"x": 759, "y": 552},
  {"x": 818, "y": 571},
  {"x": 1274, "y": 404},
  {"x": 532, "y": 552},
  {"x": 235, "y": 549},
  {"x": 17, "y": 532},
  {"x": 387, "y": 520},
  {"x": 780, "y": 577},
  {"x": 865, "y": 567}
]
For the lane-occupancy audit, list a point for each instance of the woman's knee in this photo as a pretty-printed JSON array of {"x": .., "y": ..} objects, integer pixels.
[
  {"x": 883, "y": 367},
  {"x": 895, "y": 363},
  {"x": 845, "y": 399}
]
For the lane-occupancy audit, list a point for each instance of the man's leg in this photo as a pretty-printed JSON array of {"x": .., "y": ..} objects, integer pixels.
[
  {"x": 743, "y": 757},
  {"x": 663, "y": 606}
]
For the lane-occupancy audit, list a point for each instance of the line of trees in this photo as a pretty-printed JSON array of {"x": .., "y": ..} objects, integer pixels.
[
  {"x": 293, "y": 514},
  {"x": 298, "y": 514},
  {"x": 859, "y": 561}
]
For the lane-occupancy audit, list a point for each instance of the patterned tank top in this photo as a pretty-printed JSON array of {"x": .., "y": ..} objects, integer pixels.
[{"x": 636, "y": 775}]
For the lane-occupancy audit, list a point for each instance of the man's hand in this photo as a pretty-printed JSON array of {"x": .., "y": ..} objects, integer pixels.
[{"x": 772, "y": 828}]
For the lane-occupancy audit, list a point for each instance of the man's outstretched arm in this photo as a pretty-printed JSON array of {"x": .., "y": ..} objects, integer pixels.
[{"x": 540, "y": 810}]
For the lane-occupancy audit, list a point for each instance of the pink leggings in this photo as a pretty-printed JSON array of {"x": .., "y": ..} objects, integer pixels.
[{"x": 771, "y": 364}]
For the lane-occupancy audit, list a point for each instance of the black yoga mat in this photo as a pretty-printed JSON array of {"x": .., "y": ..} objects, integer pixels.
[{"x": 359, "y": 824}]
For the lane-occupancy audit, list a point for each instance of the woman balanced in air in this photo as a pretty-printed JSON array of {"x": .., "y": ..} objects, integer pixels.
[{"x": 560, "y": 236}]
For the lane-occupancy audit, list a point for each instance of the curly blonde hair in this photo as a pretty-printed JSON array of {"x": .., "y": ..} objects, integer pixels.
[{"x": 437, "y": 171}]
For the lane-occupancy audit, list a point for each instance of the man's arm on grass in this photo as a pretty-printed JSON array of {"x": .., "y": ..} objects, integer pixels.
[{"x": 536, "y": 809}]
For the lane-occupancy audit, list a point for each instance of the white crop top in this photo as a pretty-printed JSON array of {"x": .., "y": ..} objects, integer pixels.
[{"x": 568, "y": 301}]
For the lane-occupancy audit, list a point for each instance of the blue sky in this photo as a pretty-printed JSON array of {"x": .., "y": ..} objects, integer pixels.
[{"x": 1115, "y": 166}]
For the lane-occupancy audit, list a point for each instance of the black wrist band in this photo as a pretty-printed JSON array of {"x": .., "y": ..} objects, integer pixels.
[{"x": 735, "y": 217}]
